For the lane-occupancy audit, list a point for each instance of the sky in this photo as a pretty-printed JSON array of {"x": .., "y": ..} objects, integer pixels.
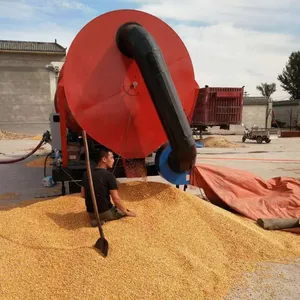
[{"x": 232, "y": 43}]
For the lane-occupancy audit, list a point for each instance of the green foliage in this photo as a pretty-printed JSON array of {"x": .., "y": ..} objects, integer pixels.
[
  {"x": 290, "y": 77},
  {"x": 267, "y": 89}
]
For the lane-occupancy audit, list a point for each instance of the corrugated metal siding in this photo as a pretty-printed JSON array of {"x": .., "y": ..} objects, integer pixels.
[{"x": 31, "y": 46}]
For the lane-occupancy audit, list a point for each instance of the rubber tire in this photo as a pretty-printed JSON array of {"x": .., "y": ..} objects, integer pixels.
[
  {"x": 259, "y": 140},
  {"x": 267, "y": 141},
  {"x": 244, "y": 139}
]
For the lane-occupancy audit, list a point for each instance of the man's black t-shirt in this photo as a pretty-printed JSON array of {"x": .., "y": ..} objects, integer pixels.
[{"x": 104, "y": 181}]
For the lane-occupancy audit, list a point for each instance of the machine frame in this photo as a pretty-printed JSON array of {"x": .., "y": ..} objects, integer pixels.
[{"x": 63, "y": 172}]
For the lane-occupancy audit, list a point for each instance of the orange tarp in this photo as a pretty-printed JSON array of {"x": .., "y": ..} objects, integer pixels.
[{"x": 248, "y": 194}]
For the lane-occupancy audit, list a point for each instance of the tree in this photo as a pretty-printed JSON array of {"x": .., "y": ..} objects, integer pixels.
[
  {"x": 290, "y": 77},
  {"x": 246, "y": 94},
  {"x": 267, "y": 89}
]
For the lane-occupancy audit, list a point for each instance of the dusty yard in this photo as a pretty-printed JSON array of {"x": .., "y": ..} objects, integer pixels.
[{"x": 279, "y": 158}]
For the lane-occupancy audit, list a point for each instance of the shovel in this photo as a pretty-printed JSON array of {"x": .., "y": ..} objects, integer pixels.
[{"x": 101, "y": 243}]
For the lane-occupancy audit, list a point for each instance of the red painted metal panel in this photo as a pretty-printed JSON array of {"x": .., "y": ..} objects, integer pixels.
[
  {"x": 63, "y": 126},
  {"x": 218, "y": 106},
  {"x": 290, "y": 134},
  {"x": 61, "y": 96},
  {"x": 98, "y": 82}
]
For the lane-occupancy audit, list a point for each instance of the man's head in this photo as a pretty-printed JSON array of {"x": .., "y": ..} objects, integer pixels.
[{"x": 105, "y": 158}]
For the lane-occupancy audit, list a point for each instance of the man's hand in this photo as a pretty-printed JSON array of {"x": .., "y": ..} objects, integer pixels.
[
  {"x": 130, "y": 213},
  {"x": 116, "y": 199}
]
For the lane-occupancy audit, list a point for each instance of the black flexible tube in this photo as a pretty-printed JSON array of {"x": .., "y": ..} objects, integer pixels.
[
  {"x": 45, "y": 164},
  {"x": 44, "y": 140},
  {"x": 11, "y": 161},
  {"x": 136, "y": 42}
]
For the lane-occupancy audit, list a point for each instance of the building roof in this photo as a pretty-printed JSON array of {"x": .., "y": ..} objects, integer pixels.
[
  {"x": 286, "y": 103},
  {"x": 23, "y": 46},
  {"x": 256, "y": 100}
]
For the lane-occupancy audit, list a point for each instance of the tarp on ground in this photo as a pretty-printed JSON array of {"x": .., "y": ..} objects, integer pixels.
[{"x": 248, "y": 194}]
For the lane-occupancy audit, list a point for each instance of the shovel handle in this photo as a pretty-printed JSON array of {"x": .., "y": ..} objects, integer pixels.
[{"x": 90, "y": 178}]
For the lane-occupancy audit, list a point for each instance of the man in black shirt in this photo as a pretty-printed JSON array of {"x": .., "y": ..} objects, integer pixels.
[{"x": 105, "y": 186}]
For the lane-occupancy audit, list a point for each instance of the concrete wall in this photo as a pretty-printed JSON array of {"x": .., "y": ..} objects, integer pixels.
[
  {"x": 257, "y": 114},
  {"x": 288, "y": 112},
  {"x": 252, "y": 115},
  {"x": 25, "y": 91}
]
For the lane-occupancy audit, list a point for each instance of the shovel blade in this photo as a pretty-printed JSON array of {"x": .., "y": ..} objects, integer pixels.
[{"x": 102, "y": 246}]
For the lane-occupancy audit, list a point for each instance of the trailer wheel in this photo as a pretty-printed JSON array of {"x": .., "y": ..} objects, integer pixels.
[
  {"x": 259, "y": 140},
  {"x": 268, "y": 141}
]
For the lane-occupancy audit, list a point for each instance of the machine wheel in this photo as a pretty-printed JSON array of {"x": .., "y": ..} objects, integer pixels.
[
  {"x": 268, "y": 141},
  {"x": 244, "y": 139},
  {"x": 259, "y": 140}
]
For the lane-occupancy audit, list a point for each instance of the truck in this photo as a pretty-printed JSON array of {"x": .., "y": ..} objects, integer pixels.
[{"x": 217, "y": 106}]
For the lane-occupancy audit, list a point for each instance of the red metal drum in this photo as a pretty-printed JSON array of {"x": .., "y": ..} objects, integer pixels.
[
  {"x": 105, "y": 90},
  {"x": 60, "y": 95}
]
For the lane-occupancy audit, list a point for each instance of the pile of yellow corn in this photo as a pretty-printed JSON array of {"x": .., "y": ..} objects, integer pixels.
[
  {"x": 218, "y": 142},
  {"x": 6, "y": 135},
  {"x": 178, "y": 247}
]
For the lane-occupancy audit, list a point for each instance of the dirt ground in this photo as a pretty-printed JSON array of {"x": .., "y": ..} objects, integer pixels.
[
  {"x": 19, "y": 182},
  {"x": 279, "y": 158}
]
